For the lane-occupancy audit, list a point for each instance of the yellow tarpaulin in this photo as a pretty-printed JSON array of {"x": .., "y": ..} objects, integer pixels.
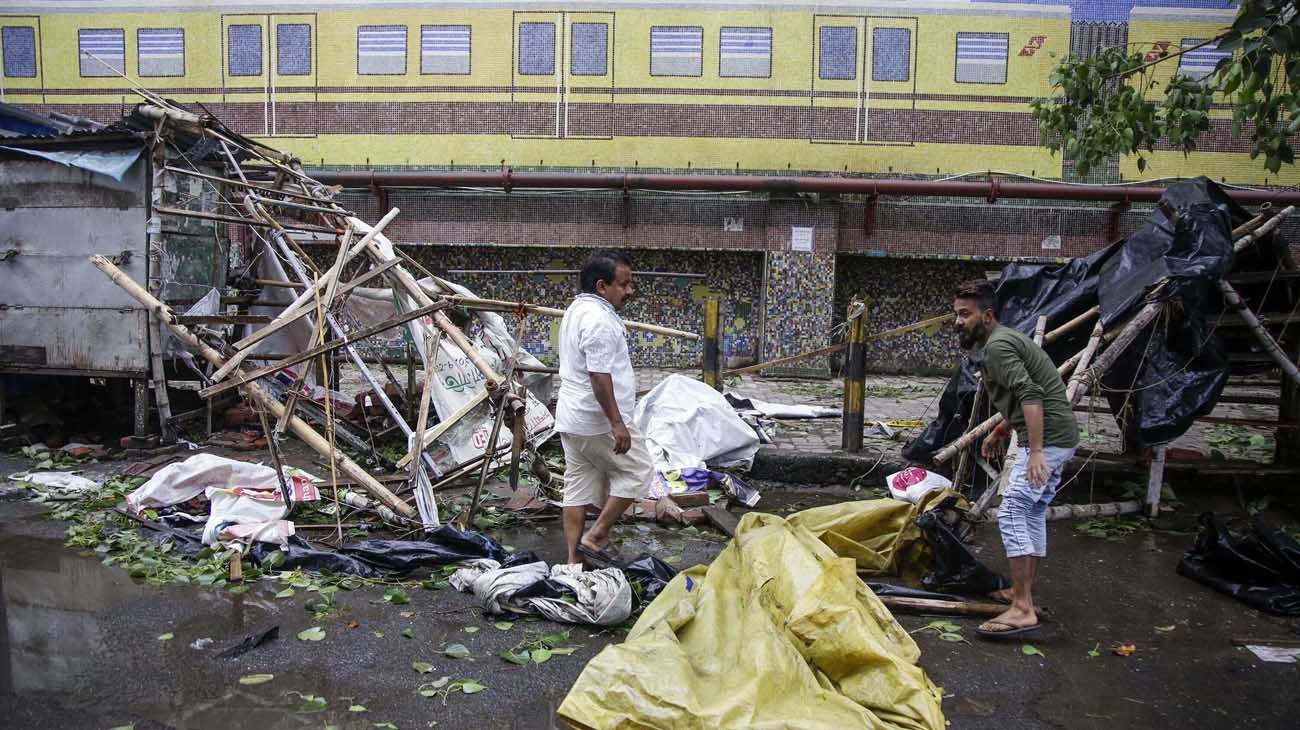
[{"x": 778, "y": 632}]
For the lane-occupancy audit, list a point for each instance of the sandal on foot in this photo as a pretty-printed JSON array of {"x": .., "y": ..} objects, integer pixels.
[
  {"x": 1011, "y": 631},
  {"x": 600, "y": 558}
]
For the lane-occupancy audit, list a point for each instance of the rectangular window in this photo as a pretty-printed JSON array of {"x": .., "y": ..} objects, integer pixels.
[
  {"x": 244, "y": 50},
  {"x": 838, "y": 53},
  {"x": 676, "y": 51},
  {"x": 1201, "y": 62},
  {"x": 891, "y": 54},
  {"x": 745, "y": 52},
  {"x": 160, "y": 51},
  {"x": 444, "y": 49},
  {"x": 381, "y": 50},
  {"x": 102, "y": 51},
  {"x": 536, "y": 49},
  {"x": 19, "y": 43},
  {"x": 293, "y": 49},
  {"x": 982, "y": 58},
  {"x": 590, "y": 49}
]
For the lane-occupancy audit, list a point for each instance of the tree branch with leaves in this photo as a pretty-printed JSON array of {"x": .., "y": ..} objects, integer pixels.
[{"x": 1107, "y": 105}]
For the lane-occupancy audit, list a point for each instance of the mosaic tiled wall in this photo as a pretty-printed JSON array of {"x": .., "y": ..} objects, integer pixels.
[
  {"x": 800, "y": 295},
  {"x": 899, "y": 292},
  {"x": 677, "y": 302}
]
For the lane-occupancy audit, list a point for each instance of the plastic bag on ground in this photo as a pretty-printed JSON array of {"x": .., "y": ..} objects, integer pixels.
[
  {"x": 954, "y": 568},
  {"x": 602, "y": 597},
  {"x": 185, "y": 480},
  {"x": 1260, "y": 568},
  {"x": 57, "y": 481},
  {"x": 754, "y": 406},
  {"x": 372, "y": 558},
  {"x": 914, "y": 482},
  {"x": 688, "y": 424},
  {"x": 880, "y": 534},
  {"x": 778, "y": 632}
]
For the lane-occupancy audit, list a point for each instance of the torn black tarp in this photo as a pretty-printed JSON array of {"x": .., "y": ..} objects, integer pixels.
[
  {"x": 1260, "y": 568},
  {"x": 370, "y": 558},
  {"x": 953, "y": 567},
  {"x": 1174, "y": 371}
]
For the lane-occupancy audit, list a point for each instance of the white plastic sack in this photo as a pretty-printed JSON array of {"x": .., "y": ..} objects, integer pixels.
[
  {"x": 185, "y": 480},
  {"x": 277, "y": 532},
  {"x": 497, "y": 588},
  {"x": 253, "y": 506},
  {"x": 604, "y": 597},
  {"x": 57, "y": 481},
  {"x": 754, "y": 406},
  {"x": 688, "y": 424},
  {"x": 914, "y": 482}
]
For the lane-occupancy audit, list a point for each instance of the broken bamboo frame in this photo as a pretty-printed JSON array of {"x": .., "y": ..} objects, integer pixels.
[
  {"x": 442, "y": 427},
  {"x": 982, "y": 609},
  {"x": 1081, "y": 511},
  {"x": 1089, "y": 350},
  {"x": 254, "y": 391},
  {"x": 413, "y": 290},
  {"x": 1070, "y": 326},
  {"x": 1270, "y": 345},
  {"x": 1268, "y": 227},
  {"x": 1122, "y": 340},
  {"x": 352, "y": 338},
  {"x": 419, "y": 479}
]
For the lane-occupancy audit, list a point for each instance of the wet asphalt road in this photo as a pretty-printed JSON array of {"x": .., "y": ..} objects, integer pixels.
[{"x": 81, "y": 650}]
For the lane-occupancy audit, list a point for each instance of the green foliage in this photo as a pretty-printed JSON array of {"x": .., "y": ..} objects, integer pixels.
[
  {"x": 1109, "y": 104},
  {"x": 1113, "y": 529}
]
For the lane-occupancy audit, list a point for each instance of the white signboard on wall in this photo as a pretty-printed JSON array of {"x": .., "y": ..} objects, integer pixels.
[{"x": 801, "y": 238}]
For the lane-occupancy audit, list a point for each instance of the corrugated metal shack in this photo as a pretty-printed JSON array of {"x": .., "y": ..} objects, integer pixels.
[{"x": 71, "y": 188}]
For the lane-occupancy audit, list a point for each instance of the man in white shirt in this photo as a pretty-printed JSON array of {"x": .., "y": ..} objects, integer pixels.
[{"x": 605, "y": 457}]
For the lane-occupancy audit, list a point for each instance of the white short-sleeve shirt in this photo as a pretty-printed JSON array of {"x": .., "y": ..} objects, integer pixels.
[{"x": 592, "y": 339}]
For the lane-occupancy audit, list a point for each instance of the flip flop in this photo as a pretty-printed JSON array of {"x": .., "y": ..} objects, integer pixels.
[
  {"x": 600, "y": 558},
  {"x": 1012, "y": 631}
]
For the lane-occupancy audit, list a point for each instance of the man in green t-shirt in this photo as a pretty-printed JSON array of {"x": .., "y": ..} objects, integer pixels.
[{"x": 1022, "y": 383}]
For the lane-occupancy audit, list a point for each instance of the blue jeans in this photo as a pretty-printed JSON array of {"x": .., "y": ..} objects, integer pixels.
[{"x": 1022, "y": 518}]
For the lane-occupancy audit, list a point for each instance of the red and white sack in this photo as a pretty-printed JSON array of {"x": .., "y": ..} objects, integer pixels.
[{"x": 914, "y": 482}]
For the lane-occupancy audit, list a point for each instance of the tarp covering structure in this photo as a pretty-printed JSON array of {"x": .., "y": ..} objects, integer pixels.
[
  {"x": 779, "y": 631},
  {"x": 1175, "y": 370}
]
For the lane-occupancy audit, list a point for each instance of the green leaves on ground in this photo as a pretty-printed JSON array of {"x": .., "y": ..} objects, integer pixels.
[
  {"x": 396, "y": 596},
  {"x": 315, "y": 633},
  {"x": 1031, "y": 650},
  {"x": 167, "y": 636},
  {"x": 408, "y": 633},
  {"x": 538, "y": 649},
  {"x": 444, "y": 687},
  {"x": 250, "y": 679},
  {"x": 456, "y": 651},
  {"x": 945, "y": 630},
  {"x": 422, "y": 667},
  {"x": 504, "y": 625}
]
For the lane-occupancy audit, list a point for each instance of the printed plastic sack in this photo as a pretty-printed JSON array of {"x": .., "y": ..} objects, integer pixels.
[{"x": 914, "y": 482}]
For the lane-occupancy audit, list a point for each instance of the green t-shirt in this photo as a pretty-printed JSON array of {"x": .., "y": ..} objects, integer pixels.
[{"x": 1016, "y": 372}]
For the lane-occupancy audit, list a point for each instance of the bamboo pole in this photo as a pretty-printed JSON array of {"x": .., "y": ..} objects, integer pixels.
[
  {"x": 419, "y": 480},
  {"x": 254, "y": 391},
  {"x": 1070, "y": 326},
  {"x": 413, "y": 290},
  {"x": 443, "y": 426},
  {"x": 837, "y": 348},
  {"x": 1240, "y": 244},
  {"x": 352, "y": 338},
  {"x": 1270, "y": 345},
  {"x": 498, "y": 305},
  {"x": 1072, "y": 392},
  {"x": 1081, "y": 511}
]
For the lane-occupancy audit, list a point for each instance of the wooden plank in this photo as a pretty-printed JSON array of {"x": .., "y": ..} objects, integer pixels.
[{"x": 722, "y": 518}]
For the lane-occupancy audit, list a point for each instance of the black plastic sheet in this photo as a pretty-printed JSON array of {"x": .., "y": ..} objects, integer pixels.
[
  {"x": 1260, "y": 568},
  {"x": 953, "y": 567},
  {"x": 649, "y": 573},
  {"x": 1175, "y": 371},
  {"x": 371, "y": 558}
]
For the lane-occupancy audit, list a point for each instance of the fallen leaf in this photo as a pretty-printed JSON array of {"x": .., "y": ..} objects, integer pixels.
[
  {"x": 315, "y": 633},
  {"x": 946, "y": 636},
  {"x": 440, "y": 682},
  {"x": 312, "y": 703},
  {"x": 564, "y": 651},
  {"x": 406, "y": 614},
  {"x": 385, "y": 726},
  {"x": 378, "y": 634},
  {"x": 256, "y": 678},
  {"x": 408, "y": 633},
  {"x": 357, "y": 708},
  {"x": 422, "y": 667},
  {"x": 1125, "y": 649},
  {"x": 504, "y": 625},
  {"x": 1093, "y": 651},
  {"x": 456, "y": 651},
  {"x": 470, "y": 686},
  {"x": 167, "y": 636},
  {"x": 1031, "y": 650},
  {"x": 540, "y": 655},
  {"x": 1166, "y": 629},
  {"x": 470, "y": 629},
  {"x": 396, "y": 596},
  {"x": 286, "y": 593},
  {"x": 123, "y": 727},
  {"x": 515, "y": 658}
]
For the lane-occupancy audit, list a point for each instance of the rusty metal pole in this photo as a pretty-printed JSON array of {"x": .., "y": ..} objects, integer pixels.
[
  {"x": 855, "y": 378},
  {"x": 712, "y": 359}
]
